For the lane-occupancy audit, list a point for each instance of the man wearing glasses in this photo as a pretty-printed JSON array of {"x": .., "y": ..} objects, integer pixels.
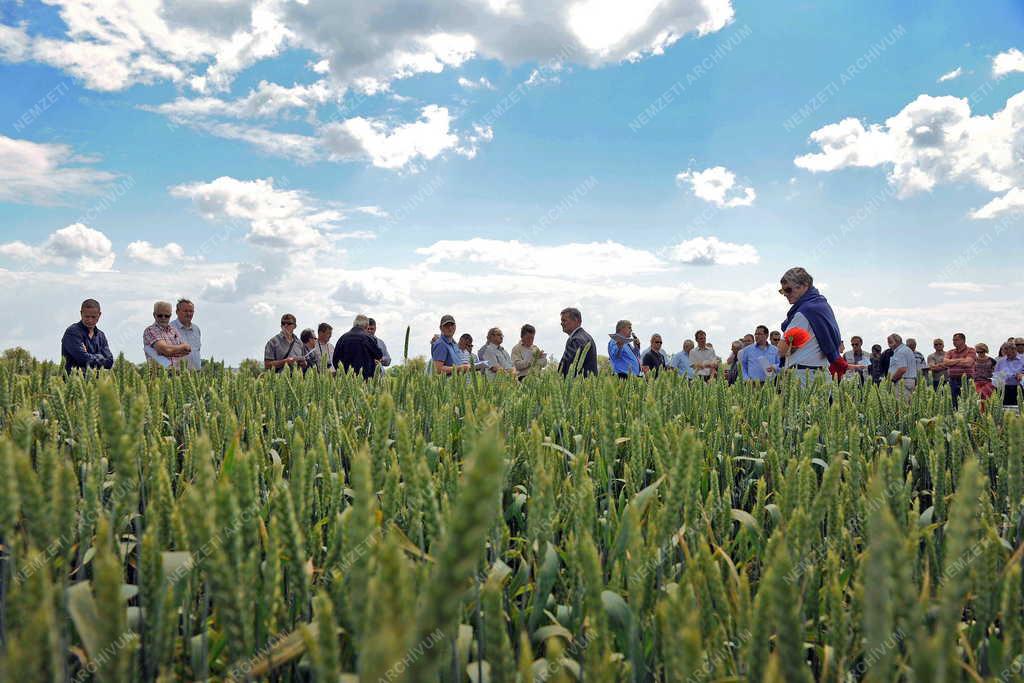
[
  {"x": 284, "y": 349},
  {"x": 164, "y": 340},
  {"x": 811, "y": 315}
]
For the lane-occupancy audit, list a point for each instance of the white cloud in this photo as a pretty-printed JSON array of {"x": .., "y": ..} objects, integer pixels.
[
  {"x": 711, "y": 251},
  {"x": 151, "y": 254},
  {"x": 972, "y": 287},
  {"x": 588, "y": 260},
  {"x": 949, "y": 76},
  {"x": 932, "y": 140},
  {"x": 718, "y": 185},
  {"x": 42, "y": 173},
  {"x": 1007, "y": 62},
  {"x": 391, "y": 147},
  {"x": 1011, "y": 202},
  {"x": 267, "y": 100},
  {"x": 203, "y": 45},
  {"x": 473, "y": 85},
  {"x": 278, "y": 218},
  {"x": 76, "y": 245}
]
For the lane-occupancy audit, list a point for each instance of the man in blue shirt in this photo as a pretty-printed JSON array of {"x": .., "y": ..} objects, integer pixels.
[
  {"x": 445, "y": 354},
  {"x": 681, "y": 361},
  {"x": 84, "y": 345},
  {"x": 624, "y": 350},
  {"x": 760, "y": 360}
]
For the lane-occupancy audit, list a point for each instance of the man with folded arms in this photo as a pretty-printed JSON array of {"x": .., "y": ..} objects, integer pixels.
[
  {"x": 164, "y": 339},
  {"x": 84, "y": 345},
  {"x": 959, "y": 363}
]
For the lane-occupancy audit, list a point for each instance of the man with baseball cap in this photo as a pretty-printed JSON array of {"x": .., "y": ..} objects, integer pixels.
[{"x": 445, "y": 354}]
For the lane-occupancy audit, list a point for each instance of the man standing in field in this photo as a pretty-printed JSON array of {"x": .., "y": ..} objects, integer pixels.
[
  {"x": 357, "y": 350},
  {"x": 703, "y": 359},
  {"x": 936, "y": 370},
  {"x": 165, "y": 339},
  {"x": 323, "y": 350},
  {"x": 385, "y": 359},
  {"x": 624, "y": 350},
  {"x": 760, "y": 360},
  {"x": 959, "y": 363},
  {"x": 811, "y": 337},
  {"x": 284, "y": 349},
  {"x": 445, "y": 354},
  {"x": 189, "y": 332},
  {"x": 680, "y": 361},
  {"x": 903, "y": 366},
  {"x": 580, "y": 345},
  {"x": 84, "y": 345},
  {"x": 527, "y": 356},
  {"x": 856, "y": 356}
]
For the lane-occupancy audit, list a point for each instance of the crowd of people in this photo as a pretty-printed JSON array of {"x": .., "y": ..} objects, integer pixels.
[{"x": 808, "y": 343}]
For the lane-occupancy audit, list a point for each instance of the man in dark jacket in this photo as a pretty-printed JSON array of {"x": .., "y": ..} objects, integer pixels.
[
  {"x": 357, "y": 350},
  {"x": 579, "y": 343},
  {"x": 84, "y": 345}
]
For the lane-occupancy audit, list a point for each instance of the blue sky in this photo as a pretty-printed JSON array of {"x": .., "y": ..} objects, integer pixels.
[{"x": 494, "y": 160}]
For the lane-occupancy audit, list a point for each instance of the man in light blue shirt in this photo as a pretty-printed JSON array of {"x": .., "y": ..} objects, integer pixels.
[
  {"x": 445, "y": 355},
  {"x": 903, "y": 365},
  {"x": 680, "y": 361},
  {"x": 760, "y": 360},
  {"x": 189, "y": 332},
  {"x": 624, "y": 350}
]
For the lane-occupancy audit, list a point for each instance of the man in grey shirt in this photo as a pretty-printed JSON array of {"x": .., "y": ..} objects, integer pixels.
[
  {"x": 189, "y": 332},
  {"x": 495, "y": 354},
  {"x": 372, "y": 331},
  {"x": 285, "y": 348}
]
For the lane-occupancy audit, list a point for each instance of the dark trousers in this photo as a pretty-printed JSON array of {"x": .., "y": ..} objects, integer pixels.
[
  {"x": 954, "y": 387},
  {"x": 1010, "y": 395}
]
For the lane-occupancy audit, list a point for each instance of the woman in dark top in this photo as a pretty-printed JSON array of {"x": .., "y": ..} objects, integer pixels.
[{"x": 654, "y": 359}]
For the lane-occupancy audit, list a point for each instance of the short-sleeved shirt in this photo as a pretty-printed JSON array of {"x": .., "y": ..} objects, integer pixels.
[
  {"x": 810, "y": 353},
  {"x": 279, "y": 348},
  {"x": 852, "y": 359},
  {"x": 903, "y": 357},
  {"x": 934, "y": 358},
  {"x": 959, "y": 371},
  {"x": 983, "y": 368},
  {"x": 680, "y": 362},
  {"x": 323, "y": 354},
  {"x": 194, "y": 338},
  {"x": 157, "y": 333},
  {"x": 447, "y": 350},
  {"x": 705, "y": 355}
]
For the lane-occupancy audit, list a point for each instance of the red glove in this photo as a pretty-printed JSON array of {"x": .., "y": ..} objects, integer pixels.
[
  {"x": 797, "y": 337},
  {"x": 838, "y": 367}
]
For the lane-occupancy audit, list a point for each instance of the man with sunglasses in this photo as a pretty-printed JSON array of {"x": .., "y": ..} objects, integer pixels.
[
  {"x": 819, "y": 343},
  {"x": 164, "y": 339},
  {"x": 285, "y": 348}
]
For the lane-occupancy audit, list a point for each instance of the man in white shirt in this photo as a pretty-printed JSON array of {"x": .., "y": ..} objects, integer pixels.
[
  {"x": 189, "y": 332},
  {"x": 323, "y": 351},
  {"x": 703, "y": 358}
]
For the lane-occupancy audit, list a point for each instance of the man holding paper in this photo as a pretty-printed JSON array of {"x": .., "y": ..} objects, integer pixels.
[{"x": 624, "y": 350}]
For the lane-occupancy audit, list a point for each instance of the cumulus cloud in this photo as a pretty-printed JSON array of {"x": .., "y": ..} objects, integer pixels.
[
  {"x": 1011, "y": 202},
  {"x": 41, "y": 173},
  {"x": 718, "y": 186},
  {"x": 202, "y": 45},
  {"x": 277, "y": 218},
  {"x": 387, "y": 146},
  {"x": 711, "y": 251},
  {"x": 951, "y": 75},
  {"x": 151, "y": 254},
  {"x": 1007, "y": 62},
  {"x": 265, "y": 101},
  {"x": 75, "y": 245},
  {"x": 932, "y": 140}
]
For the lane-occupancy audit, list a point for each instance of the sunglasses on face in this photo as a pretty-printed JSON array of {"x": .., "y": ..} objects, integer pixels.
[
  {"x": 786, "y": 291},
  {"x": 162, "y": 316},
  {"x": 288, "y": 324}
]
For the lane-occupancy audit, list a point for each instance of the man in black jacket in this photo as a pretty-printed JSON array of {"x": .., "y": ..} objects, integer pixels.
[
  {"x": 357, "y": 350},
  {"x": 579, "y": 342}
]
